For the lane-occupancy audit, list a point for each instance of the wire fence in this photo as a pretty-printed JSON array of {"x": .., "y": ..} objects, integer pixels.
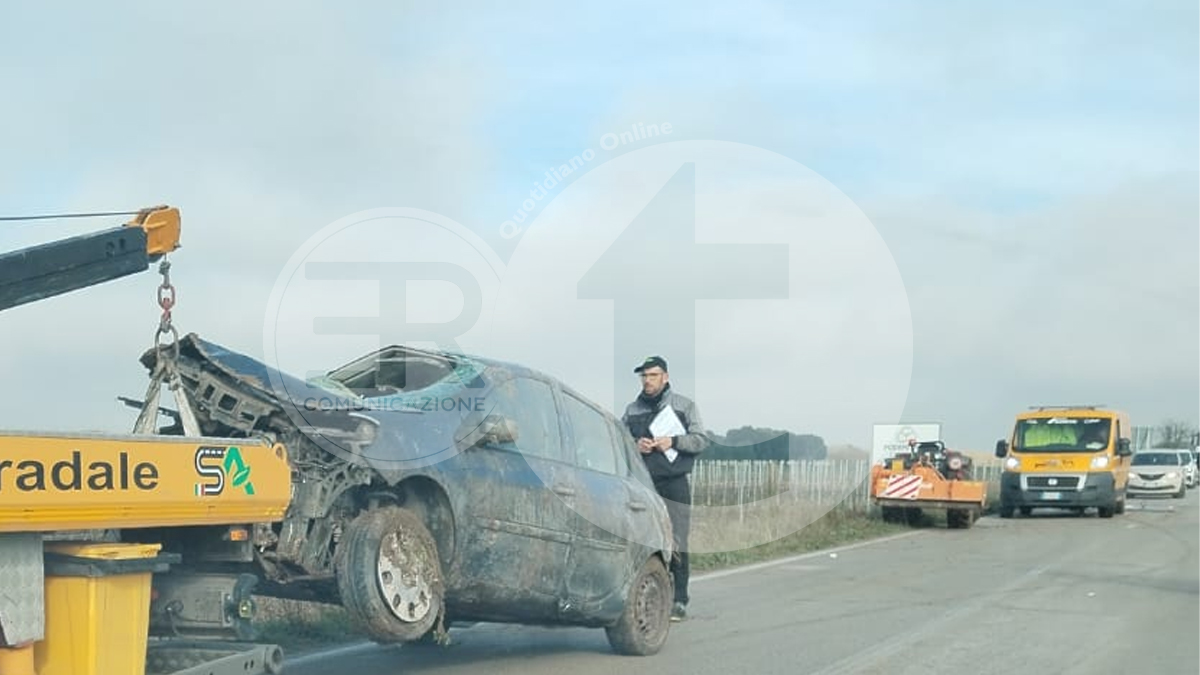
[{"x": 844, "y": 483}]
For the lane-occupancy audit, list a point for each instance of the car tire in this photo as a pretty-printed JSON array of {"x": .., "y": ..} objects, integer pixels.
[
  {"x": 1182, "y": 492},
  {"x": 646, "y": 620},
  {"x": 389, "y": 575}
]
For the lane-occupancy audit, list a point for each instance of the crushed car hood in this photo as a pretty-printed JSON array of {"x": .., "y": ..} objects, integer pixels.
[{"x": 232, "y": 392}]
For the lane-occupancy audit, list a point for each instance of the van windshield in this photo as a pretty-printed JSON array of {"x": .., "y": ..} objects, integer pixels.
[{"x": 1063, "y": 434}]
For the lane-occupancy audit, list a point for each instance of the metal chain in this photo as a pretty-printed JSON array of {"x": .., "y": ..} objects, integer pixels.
[
  {"x": 166, "y": 365},
  {"x": 166, "y": 301}
]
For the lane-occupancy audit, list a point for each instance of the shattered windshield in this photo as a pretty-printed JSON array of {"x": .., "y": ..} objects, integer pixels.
[
  {"x": 1064, "y": 434},
  {"x": 400, "y": 384}
]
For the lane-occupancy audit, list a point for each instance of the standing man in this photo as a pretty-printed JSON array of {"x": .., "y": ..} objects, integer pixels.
[{"x": 669, "y": 457}]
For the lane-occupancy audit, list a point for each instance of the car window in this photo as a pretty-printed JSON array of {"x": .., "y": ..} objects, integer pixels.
[
  {"x": 1155, "y": 459},
  {"x": 530, "y": 403},
  {"x": 594, "y": 445}
]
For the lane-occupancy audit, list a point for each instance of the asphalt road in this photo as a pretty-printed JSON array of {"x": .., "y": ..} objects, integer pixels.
[{"x": 1051, "y": 593}]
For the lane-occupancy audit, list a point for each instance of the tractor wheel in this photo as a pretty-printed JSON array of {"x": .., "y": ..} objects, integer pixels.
[
  {"x": 960, "y": 519},
  {"x": 913, "y": 516}
]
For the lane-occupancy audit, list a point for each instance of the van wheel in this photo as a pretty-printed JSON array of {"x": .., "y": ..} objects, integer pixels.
[
  {"x": 389, "y": 575},
  {"x": 1026, "y": 510},
  {"x": 1006, "y": 511},
  {"x": 644, "y": 625},
  {"x": 1106, "y": 511}
]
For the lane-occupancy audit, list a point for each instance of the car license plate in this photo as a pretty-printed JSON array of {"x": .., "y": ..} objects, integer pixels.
[{"x": 1051, "y": 495}]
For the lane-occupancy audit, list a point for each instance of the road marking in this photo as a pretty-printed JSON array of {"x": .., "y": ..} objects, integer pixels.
[{"x": 796, "y": 558}]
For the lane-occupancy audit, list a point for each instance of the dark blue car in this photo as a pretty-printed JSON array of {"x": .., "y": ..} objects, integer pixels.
[{"x": 433, "y": 488}]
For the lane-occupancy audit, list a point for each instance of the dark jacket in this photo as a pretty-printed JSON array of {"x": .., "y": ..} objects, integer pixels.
[{"x": 642, "y": 411}]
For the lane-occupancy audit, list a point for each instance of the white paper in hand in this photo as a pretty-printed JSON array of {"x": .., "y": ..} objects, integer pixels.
[{"x": 667, "y": 423}]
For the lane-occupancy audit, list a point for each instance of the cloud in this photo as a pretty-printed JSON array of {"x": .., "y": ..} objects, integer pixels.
[
  {"x": 1092, "y": 300},
  {"x": 261, "y": 129}
]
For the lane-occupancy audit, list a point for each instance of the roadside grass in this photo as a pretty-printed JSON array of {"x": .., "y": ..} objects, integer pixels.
[{"x": 773, "y": 532}]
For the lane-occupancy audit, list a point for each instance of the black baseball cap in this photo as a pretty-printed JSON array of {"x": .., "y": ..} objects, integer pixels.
[{"x": 650, "y": 362}]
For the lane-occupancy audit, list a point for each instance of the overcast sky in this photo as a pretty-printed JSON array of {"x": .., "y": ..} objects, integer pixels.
[{"x": 1030, "y": 172}]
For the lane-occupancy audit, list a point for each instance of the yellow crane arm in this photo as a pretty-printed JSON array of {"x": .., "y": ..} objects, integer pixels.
[{"x": 55, "y": 268}]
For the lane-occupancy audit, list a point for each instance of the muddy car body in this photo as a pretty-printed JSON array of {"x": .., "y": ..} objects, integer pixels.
[{"x": 431, "y": 486}]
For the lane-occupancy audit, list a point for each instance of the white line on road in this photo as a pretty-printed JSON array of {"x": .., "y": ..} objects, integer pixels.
[{"x": 803, "y": 556}]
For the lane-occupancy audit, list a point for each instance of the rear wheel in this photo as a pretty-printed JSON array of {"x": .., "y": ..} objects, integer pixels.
[
  {"x": 644, "y": 625},
  {"x": 389, "y": 575}
]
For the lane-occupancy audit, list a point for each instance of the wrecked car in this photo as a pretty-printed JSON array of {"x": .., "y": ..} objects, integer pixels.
[{"x": 433, "y": 488}]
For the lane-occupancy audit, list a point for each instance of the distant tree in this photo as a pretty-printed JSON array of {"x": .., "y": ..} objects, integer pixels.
[
  {"x": 1176, "y": 434},
  {"x": 761, "y": 443}
]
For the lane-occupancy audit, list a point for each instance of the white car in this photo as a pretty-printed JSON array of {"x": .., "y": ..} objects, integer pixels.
[
  {"x": 1189, "y": 468},
  {"x": 1156, "y": 472}
]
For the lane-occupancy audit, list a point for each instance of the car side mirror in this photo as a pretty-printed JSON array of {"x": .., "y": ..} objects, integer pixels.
[
  {"x": 494, "y": 429},
  {"x": 1123, "y": 447},
  {"x": 1001, "y": 448}
]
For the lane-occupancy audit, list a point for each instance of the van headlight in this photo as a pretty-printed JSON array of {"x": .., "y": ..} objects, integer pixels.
[
  {"x": 1100, "y": 462},
  {"x": 1012, "y": 464}
]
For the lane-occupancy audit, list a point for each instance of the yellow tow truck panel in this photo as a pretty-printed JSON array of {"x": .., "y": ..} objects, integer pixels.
[{"x": 68, "y": 482}]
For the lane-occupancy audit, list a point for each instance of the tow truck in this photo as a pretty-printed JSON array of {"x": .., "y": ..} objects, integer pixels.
[{"x": 85, "y": 587}]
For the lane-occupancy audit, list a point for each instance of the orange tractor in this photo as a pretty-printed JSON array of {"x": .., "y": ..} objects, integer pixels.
[{"x": 928, "y": 476}]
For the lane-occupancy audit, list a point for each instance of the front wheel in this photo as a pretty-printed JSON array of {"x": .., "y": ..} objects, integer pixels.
[
  {"x": 389, "y": 575},
  {"x": 644, "y": 625}
]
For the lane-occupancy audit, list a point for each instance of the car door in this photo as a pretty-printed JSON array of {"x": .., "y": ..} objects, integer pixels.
[
  {"x": 601, "y": 559},
  {"x": 520, "y": 545}
]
